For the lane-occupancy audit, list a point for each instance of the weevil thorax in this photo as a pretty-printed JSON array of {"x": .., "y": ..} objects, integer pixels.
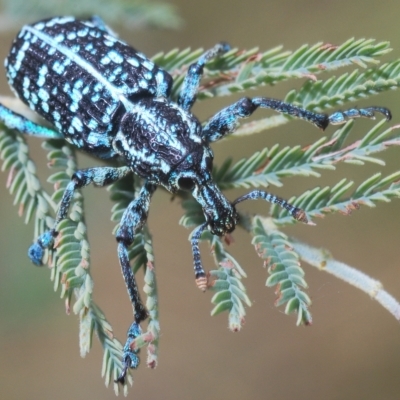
[
  {"x": 155, "y": 136},
  {"x": 163, "y": 143}
]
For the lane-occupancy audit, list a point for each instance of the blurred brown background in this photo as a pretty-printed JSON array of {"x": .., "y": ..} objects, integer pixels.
[{"x": 352, "y": 351}]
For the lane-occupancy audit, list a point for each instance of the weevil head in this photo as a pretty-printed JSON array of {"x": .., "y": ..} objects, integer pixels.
[
  {"x": 195, "y": 175},
  {"x": 220, "y": 214}
]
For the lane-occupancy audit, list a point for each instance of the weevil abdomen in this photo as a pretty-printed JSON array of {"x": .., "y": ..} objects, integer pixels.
[{"x": 81, "y": 79}]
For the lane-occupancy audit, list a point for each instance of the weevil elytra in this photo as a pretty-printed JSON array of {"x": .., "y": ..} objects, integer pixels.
[{"x": 111, "y": 101}]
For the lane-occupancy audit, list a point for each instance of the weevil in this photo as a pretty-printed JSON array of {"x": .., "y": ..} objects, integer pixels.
[{"x": 111, "y": 101}]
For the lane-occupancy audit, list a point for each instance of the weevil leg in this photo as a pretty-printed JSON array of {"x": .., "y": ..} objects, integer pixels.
[
  {"x": 341, "y": 117},
  {"x": 295, "y": 212},
  {"x": 134, "y": 218},
  {"x": 13, "y": 120},
  {"x": 199, "y": 273},
  {"x": 129, "y": 358},
  {"x": 100, "y": 176},
  {"x": 227, "y": 120},
  {"x": 195, "y": 72}
]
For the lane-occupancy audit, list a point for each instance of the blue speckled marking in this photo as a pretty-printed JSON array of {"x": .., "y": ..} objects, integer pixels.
[
  {"x": 148, "y": 64},
  {"x": 43, "y": 94},
  {"x": 105, "y": 60},
  {"x": 143, "y": 84},
  {"x": 39, "y": 26},
  {"x": 83, "y": 32},
  {"x": 34, "y": 98},
  {"x": 93, "y": 124},
  {"x": 58, "y": 39},
  {"x": 42, "y": 75},
  {"x": 77, "y": 124},
  {"x": 134, "y": 61},
  {"x": 58, "y": 67}
]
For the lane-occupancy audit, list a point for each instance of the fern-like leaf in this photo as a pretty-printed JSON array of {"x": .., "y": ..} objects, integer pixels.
[
  {"x": 22, "y": 180},
  {"x": 237, "y": 71},
  {"x": 70, "y": 259},
  {"x": 71, "y": 266},
  {"x": 303, "y": 62},
  {"x": 284, "y": 269},
  {"x": 319, "y": 201},
  {"x": 226, "y": 282},
  {"x": 268, "y": 166},
  {"x": 133, "y": 13}
]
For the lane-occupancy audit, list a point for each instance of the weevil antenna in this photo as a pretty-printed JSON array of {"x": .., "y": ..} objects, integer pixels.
[{"x": 295, "y": 212}]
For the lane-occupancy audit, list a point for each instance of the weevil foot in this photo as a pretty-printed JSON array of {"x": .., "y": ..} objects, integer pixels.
[
  {"x": 44, "y": 241},
  {"x": 130, "y": 358}
]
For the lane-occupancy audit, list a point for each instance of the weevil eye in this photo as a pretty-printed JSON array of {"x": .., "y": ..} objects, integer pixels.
[{"x": 186, "y": 183}]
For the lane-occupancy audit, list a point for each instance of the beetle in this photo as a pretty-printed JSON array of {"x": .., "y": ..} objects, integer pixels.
[{"x": 111, "y": 101}]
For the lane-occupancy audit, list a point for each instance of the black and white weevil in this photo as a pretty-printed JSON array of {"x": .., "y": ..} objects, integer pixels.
[{"x": 109, "y": 100}]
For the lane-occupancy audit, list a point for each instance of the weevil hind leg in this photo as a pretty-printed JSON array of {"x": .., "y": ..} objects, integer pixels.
[{"x": 100, "y": 176}]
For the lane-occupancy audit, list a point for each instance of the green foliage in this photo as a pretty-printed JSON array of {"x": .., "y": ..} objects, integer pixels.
[
  {"x": 319, "y": 201},
  {"x": 226, "y": 282},
  {"x": 132, "y": 13},
  {"x": 284, "y": 268},
  {"x": 235, "y": 71},
  {"x": 268, "y": 166}
]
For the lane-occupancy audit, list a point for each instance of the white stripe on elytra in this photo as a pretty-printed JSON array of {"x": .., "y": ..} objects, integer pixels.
[{"x": 82, "y": 63}]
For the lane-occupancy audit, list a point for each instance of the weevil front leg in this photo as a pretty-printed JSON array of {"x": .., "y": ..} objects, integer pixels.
[
  {"x": 297, "y": 213},
  {"x": 133, "y": 219},
  {"x": 100, "y": 176},
  {"x": 195, "y": 72},
  {"x": 227, "y": 120}
]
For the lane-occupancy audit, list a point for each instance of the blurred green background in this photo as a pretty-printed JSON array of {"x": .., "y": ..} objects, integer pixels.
[{"x": 352, "y": 351}]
